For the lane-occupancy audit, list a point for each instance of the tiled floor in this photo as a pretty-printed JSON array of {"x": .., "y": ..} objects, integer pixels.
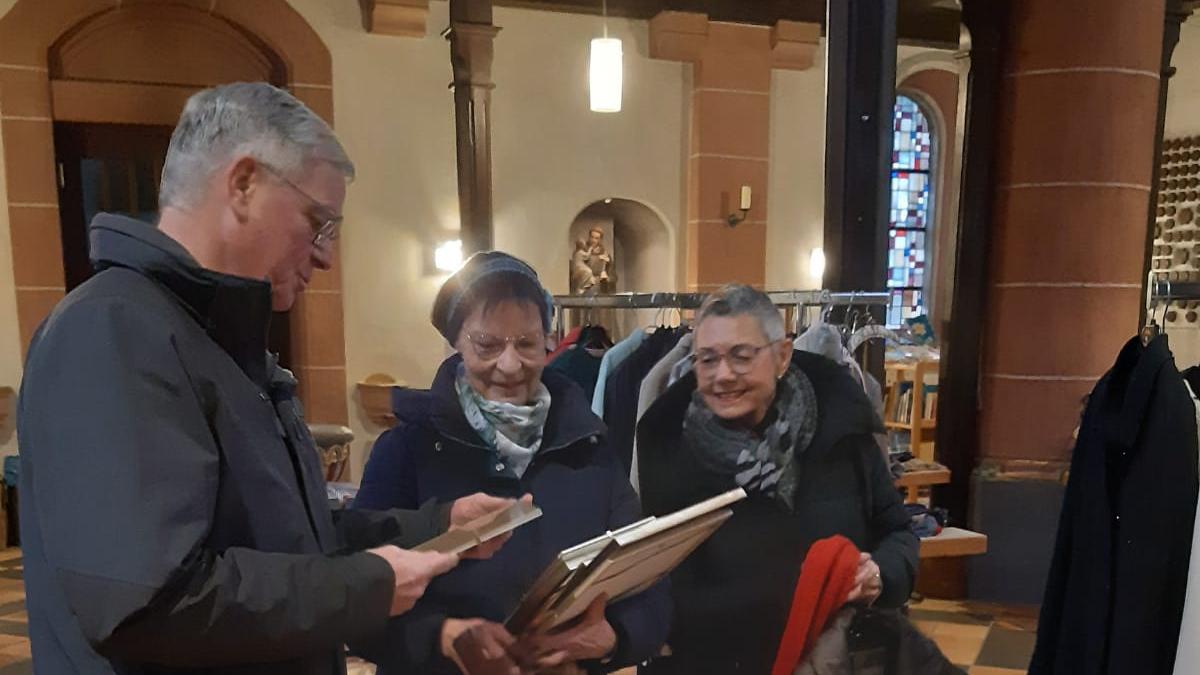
[
  {"x": 14, "y": 622},
  {"x": 983, "y": 639}
]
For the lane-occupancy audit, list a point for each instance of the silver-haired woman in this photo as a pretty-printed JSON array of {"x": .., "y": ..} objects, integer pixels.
[{"x": 795, "y": 431}]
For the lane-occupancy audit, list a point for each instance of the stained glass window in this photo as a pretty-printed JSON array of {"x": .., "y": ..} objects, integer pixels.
[{"x": 912, "y": 158}]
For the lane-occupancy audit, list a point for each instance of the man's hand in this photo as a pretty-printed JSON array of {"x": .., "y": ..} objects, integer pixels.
[
  {"x": 478, "y": 647},
  {"x": 589, "y": 637},
  {"x": 412, "y": 571},
  {"x": 868, "y": 585},
  {"x": 476, "y": 506}
]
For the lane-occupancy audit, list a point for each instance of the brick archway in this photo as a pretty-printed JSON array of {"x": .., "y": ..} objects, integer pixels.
[{"x": 52, "y": 70}]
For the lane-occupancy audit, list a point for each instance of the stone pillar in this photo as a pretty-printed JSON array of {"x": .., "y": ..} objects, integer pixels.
[
  {"x": 730, "y": 136},
  {"x": 1075, "y": 164},
  {"x": 1074, "y": 168}
]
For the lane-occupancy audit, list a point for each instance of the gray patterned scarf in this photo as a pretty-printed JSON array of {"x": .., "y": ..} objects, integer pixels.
[
  {"x": 513, "y": 431},
  {"x": 763, "y": 463}
]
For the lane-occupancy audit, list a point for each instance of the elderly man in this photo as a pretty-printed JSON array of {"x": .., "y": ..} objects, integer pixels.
[{"x": 173, "y": 508}]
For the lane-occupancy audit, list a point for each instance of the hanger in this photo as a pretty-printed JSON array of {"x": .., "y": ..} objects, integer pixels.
[
  {"x": 1152, "y": 329},
  {"x": 597, "y": 338},
  {"x": 849, "y": 318}
]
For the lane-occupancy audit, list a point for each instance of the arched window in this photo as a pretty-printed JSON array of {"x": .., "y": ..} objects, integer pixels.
[{"x": 908, "y": 226}]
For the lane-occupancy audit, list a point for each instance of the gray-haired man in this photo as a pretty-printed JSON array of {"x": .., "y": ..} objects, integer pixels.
[{"x": 173, "y": 508}]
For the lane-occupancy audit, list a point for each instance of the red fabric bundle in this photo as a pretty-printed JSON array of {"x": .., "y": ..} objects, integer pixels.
[{"x": 826, "y": 578}]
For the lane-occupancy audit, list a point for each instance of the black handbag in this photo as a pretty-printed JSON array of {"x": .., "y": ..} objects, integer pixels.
[{"x": 885, "y": 642}]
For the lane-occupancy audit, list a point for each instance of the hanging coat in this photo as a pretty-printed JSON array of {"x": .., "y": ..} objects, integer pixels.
[{"x": 1115, "y": 593}]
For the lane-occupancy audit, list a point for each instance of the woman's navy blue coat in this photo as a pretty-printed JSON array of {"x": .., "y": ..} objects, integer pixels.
[{"x": 575, "y": 478}]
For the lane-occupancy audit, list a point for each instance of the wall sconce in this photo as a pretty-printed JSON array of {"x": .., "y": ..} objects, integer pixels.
[
  {"x": 816, "y": 265},
  {"x": 448, "y": 256},
  {"x": 743, "y": 208}
]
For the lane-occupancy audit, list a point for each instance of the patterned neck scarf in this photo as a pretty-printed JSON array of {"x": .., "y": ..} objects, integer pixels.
[
  {"x": 765, "y": 463},
  {"x": 513, "y": 431}
]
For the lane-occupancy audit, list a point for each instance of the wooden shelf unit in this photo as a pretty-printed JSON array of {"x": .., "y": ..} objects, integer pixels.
[{"x": 919, "y": 429}]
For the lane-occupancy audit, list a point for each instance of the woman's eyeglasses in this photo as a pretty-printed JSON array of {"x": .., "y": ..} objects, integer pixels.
[
  {"x": 489, "y": 347},
  {"x": 740, "y": 358}
]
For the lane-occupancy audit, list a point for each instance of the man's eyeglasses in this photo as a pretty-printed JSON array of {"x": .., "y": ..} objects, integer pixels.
[
  {"x": 740, "y": 357},
  {"x": 325, "y": 224},
  {"x": 489, "y": 347}
]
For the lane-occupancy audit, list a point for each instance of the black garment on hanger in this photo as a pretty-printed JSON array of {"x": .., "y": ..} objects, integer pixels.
[
  {"x": 1192, "y": 375},
  {"x": 581, "y": 365},
  {"x": 623, "y": 387},
  {"x": 1115, "y": 594}
]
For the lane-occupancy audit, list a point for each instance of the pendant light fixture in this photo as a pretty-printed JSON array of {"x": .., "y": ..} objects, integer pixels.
[{"x": 604, "y": 70}]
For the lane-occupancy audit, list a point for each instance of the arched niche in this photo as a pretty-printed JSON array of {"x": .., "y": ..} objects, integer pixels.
[{"x": 639, "y": 241}]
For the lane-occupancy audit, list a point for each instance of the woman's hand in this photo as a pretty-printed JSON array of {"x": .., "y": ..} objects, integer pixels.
[
  {"x": 478, "y": 647},
  {"x": 868, "y": 585},
  {"x": 476, "y": 506},
  {"x": 590, "y": 637}
]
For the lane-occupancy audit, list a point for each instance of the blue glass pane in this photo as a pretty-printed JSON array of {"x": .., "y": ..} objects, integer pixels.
[
  {"x": 912, "y": 161},
  {"x": 912, "y": 140},
  {"x": 910, "y": 199}
]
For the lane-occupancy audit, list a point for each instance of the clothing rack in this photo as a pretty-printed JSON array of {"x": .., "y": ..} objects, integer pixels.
[
  {"x": 1175, "y": 290},
  {"x": 694, "y": 300},
  {"x": 798, "y": 299}
]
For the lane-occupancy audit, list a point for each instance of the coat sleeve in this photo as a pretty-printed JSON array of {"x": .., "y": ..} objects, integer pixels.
[
  {"x": 896, "y": 547},
  {"x": 641, "y": 622},
  {"x": 411, "y": 642},
  {"x": 386, "y": 509},
  {"x": 124, "y": 474},
  {"x": 360, "y": 529},
  {"x": 1050, "y": 616}
]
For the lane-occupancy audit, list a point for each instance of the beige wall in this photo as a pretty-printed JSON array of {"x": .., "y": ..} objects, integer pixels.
[
  {"x": 1183, "y": 96},
  {"x": 1183, "y": 119},
  {"x": 10, "y": 342},
  {"x": 796, "y": 214},
  {"x": 552, "y": 157}
]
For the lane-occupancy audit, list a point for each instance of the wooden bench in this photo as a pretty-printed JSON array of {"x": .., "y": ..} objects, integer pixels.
[
  {"x": 954, "y": 542},
  {"x": 943, "y": 570}
]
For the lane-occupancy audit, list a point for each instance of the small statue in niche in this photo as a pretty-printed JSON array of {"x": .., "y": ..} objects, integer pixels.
[{"x": 590, "y": 265}]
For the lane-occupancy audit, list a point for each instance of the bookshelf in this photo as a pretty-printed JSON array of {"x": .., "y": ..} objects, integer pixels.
[{"x": 911, "y": 404}]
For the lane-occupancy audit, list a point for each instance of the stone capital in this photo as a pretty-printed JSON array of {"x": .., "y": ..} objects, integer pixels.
[
  {"x": 405, "y": 18},
  {"x": 684, "y": 36},
  {"x": 471, "y": 52},
  {"x": 794, "y": 44}
]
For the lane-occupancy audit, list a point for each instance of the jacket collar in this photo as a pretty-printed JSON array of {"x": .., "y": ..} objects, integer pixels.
[
  {"x": 570, "y": 419},
  {"x": 235, "y": 311},
  {"x": 1132, "y": 383}
]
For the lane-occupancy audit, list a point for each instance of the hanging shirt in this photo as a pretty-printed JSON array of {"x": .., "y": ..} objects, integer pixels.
[
  {"x": 613, "y": 358},
  {"x": 569, "y": 339},
  {"x": 622, "y": 387},
  {"x": 1187, "y": 657},
  {"x": 653, "y": 385},
  {"x": 581, "y": 365}
]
